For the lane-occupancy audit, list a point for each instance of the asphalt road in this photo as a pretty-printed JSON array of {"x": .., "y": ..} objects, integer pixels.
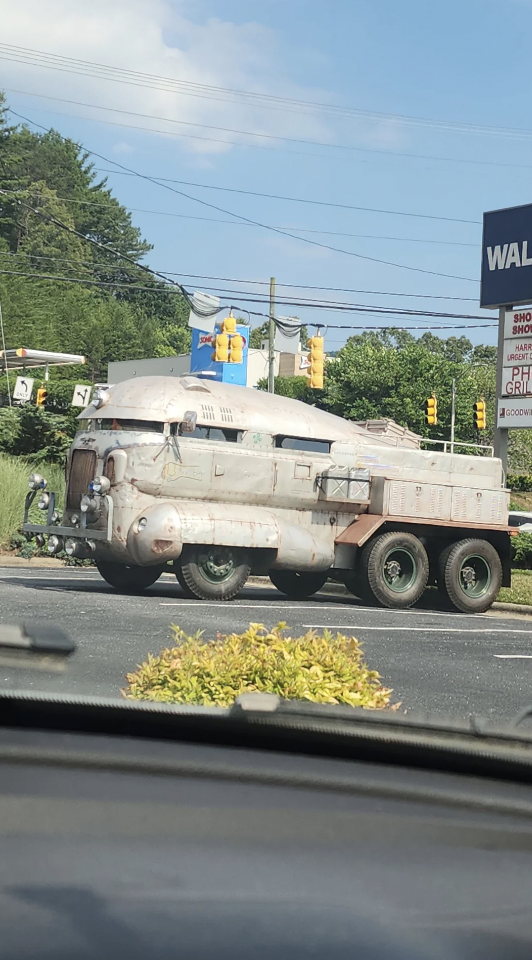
[{"x": 435, "y": 661}]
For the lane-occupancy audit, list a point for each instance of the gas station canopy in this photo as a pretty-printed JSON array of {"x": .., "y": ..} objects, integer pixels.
[{"x": 23, "y": 359}]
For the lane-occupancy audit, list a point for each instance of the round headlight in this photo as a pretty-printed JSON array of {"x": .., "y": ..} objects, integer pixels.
[
  {"x": 44, "y": 501},
  {"x": 100, "y": 485},
  {"x": 75, "y": 519},
  {"x": 40, "y": 540},
  {"x": 55, "y": 544},
  {"x": 36, "y": 482},
  {"x": 88, "y": 505}
]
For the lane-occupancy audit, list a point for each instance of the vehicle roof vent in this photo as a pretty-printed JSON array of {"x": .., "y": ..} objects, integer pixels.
[{"x": 190, "y": 383}]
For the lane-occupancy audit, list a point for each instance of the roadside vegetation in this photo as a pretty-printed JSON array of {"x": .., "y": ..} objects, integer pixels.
[
  {"x": 14, "y": 474},
  {"x": 322, "y": 668}
]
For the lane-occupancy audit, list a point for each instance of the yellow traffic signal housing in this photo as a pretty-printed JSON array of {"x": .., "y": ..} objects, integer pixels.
[
  {"x": 431, "y": 411},
  {"x": 228, "y": 325},
  {"x": 236, "y": 348},
  {"x": 316, "y": 358},
  {"x": 221, "y": 348},
  {"x": 42, "y": 393},
  {"x": 479, "y": 409}
]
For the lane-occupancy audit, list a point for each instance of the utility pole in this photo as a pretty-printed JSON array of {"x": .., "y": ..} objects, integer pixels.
[
  {"x": 271, "y": 338},
  {"x": 500, "y": 442},
  {"x": 453, "y": 414}
]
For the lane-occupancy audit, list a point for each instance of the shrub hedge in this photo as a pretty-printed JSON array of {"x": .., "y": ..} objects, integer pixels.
[{"x": 321, "y": 668}]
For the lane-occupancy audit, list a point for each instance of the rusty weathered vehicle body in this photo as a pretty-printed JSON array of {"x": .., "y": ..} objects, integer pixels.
[{"x": 217, "y": 481}]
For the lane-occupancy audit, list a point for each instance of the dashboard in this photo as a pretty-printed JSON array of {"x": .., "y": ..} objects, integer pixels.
[{"x": 124, "y": 847}]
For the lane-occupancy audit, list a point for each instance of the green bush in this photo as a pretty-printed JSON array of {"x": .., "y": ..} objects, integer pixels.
[
  {"x": 519, "y": 482},
  {"x": 321, "y": 668},
  {"x": 36, "y": 434},
  {"x": 522, "y": 551},
  {"x": 14, "y": 474}
]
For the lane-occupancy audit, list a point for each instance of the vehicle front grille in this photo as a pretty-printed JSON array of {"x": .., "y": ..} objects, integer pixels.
[{"x": 82, "y": 470}]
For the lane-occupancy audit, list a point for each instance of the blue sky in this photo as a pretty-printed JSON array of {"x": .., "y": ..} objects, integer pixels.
[{"x": 460, "y": 63}]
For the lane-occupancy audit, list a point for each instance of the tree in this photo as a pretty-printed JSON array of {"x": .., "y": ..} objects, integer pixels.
[{"x": 371, "y": 378}]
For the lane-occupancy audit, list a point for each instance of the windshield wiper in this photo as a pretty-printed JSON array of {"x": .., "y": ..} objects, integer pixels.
[{"x": 36, "y": 646}]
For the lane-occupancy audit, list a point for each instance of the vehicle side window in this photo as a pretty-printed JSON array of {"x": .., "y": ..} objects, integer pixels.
[
  {"x": 202, "y": 432},
  {"x": 138, "y": 426},
  {"x": 303, "y": 443}
]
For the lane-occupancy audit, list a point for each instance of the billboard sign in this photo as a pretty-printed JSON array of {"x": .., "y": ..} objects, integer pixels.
[
  {"x": 506, "y": 276},
  {"x": 514, "y": 413}
]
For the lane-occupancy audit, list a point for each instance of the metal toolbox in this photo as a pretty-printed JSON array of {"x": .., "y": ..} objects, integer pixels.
[{"x": 344, "y": 484}]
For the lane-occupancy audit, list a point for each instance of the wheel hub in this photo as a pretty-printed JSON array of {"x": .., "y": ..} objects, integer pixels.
[
  {"x": 469, "y": 576},
  {"x": 218, "y": 565},
  {"x": 393, "y": 569}
]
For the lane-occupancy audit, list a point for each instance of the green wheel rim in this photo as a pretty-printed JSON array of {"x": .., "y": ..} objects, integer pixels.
[
  {"x": 216, "y": 564},
  {"x": 474, "y": 576},
  {"x": 399, "y": 569}
]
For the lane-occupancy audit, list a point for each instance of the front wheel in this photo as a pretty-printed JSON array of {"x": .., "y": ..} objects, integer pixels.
[
  {"x": 129, "y": 579},
  {"x": 471, "y": 575},
  {"x": 394, "y": 570},
  {"x": 297, "y": 586},
  {"x": 213, "y": 572}
]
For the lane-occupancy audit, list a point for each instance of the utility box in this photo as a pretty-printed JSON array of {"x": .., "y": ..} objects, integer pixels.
[{"x": 344, "y": 484}]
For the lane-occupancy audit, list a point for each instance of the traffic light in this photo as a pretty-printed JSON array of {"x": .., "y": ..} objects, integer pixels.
[
  {"x": 228, "y": 325},
  {"x": 221, "y": 348},
  {"x": 236, "y": 348},
  {"x": 316, "y": 359},
  {"x": 479, "y": 409},
  {"x": 42, "y": 393},
  {"x": 431, "y": 411}
]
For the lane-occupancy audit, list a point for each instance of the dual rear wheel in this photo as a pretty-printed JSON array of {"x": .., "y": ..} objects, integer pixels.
[{"x": 394, "y": 569}]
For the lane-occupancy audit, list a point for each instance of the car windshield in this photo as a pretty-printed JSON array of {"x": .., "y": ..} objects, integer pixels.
[{"x": 266, "y": 351}]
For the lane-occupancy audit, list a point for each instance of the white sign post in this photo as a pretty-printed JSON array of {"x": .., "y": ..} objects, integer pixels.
[
  {"x": 23, "y": 389},
  {"x": 82, "y": 395}
]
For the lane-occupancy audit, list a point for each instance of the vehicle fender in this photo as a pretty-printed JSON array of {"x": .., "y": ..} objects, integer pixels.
[
  {"x": 159, "y": 532},
  {"x": 155, "y": 535}
]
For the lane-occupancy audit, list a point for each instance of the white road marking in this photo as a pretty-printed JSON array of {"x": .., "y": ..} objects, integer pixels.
[
  {"x": 513, "y": 656},
  {"x": 359, "y": 626}
]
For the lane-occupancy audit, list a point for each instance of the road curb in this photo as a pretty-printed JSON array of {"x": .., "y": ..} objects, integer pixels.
[{"x": 513, "y": 608}]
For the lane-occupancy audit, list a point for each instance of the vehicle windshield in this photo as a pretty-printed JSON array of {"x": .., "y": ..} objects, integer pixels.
[
  {"x": 266, "y": 324},
  {"x": 136, "y": 426}
]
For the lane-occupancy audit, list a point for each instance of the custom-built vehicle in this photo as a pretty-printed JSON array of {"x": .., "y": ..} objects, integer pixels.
[{"x": 221, "y": 481}]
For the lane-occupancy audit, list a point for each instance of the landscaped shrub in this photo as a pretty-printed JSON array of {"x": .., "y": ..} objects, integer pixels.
[
  {"x": 520, "y": 482},
  {"x": 323, "y": 668},
  {"x": 522, "y": 551}
]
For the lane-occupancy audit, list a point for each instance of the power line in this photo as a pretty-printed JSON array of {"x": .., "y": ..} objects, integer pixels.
[
  {"x": 53, "y": 277},
  {"x": 275, "y": 230},
  {"x": 50, "y": 218},
  {"x": 265, "y": 283},
  {"x": 263, "y": 136},
  {"x": 275, "y": 196},
  {"x": 188, "y": 88},
  {"x": 333, "y": 233},
  {"x": 244, "y": 296}
]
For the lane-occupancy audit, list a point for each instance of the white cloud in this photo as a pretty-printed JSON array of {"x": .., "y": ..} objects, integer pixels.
[
  {"x": 122, "y": 147},
  {"x": 156, "y": 37}
]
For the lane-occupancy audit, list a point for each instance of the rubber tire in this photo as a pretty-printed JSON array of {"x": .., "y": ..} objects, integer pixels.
[
  {"x": 204, "y": 589},
  {"x": 181, "y": 580},
  {"x": 451, "y": 561},
  {"x": 373, "y": 583},
  {"x": 130, "y": 579},
  {"x": 297, "y": 586}
]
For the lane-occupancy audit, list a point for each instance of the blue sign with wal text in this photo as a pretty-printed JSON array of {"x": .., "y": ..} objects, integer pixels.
[{"x": 506, "y": 278}]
